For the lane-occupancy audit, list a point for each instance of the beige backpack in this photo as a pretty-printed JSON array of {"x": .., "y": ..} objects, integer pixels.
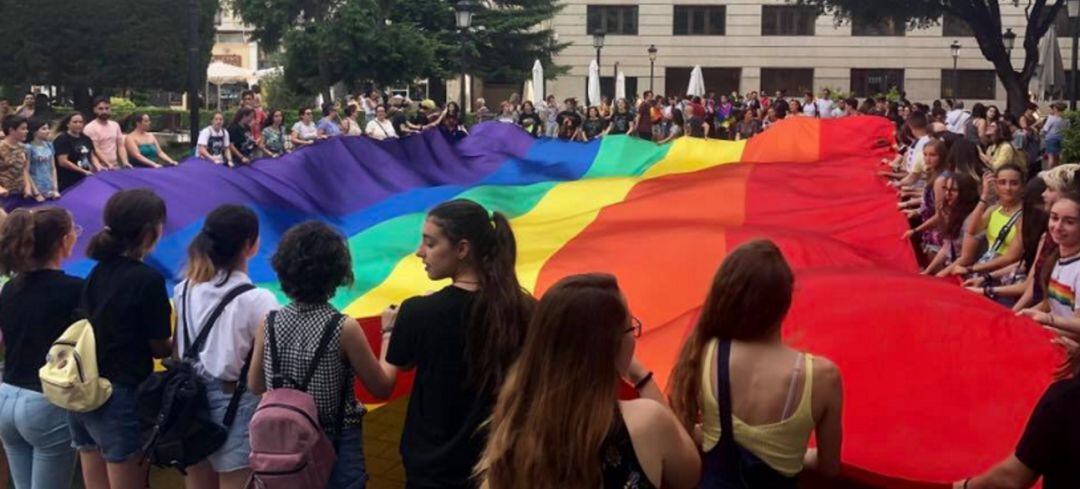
[{"x": 69, "y": 378}]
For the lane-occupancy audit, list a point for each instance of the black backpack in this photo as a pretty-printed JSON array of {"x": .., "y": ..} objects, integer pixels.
[{"x": 176, "y": 428}]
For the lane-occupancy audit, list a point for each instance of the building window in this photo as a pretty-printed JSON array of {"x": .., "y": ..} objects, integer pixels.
[
  {"x": 700, "y": 20},
  {"x": 612, "y": 19},
  {"x": 952, "y": 26},
  {"x": 229, "y": 38},
  {"x": 973, "y": 84},
  {"x": 788, "y": 20},
  {"x": 790, "y": 81},
  {"x": 869, "y": 83},
  {"x": 882, "y": 27},
  {"x": 723, "y": 81}
]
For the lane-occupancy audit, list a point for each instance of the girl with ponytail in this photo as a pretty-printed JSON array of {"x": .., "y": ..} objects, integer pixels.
[
  {"x": 128, "y": 307},
  {"x": 36, "y": 306},
  {"x": 217, "y": 264},
  {"x": 462, "y": 340}
]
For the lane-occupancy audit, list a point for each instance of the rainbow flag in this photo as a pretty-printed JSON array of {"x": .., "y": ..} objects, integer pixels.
[{"x": 928, "y": 368}]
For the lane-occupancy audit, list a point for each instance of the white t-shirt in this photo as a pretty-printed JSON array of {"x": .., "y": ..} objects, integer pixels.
[
  {"x": 1064, "y": 281},
  {"x": 306, "y": 132},
  {"x": 226, "y": 348},
  {"x": 837, "y": 112},
  {"x": 824, "y": 108},
  {"x": 810, "y": 109},
  {"x": 380, "y": 130},
  {"x": 956, "y": 121},
  {"x": 215, "y": 141},
  {"x": 915, "y": 153}
]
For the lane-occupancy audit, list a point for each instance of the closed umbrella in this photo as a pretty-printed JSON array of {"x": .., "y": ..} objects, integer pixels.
[
  {"x": 697, "y": 82},
  {"x": 594, "y": 83},
  {"x": 620, "y": 85},
  {"x": 528, "y": 94},
  {"x": 538, "y": 83},
  {"x": 1050, "y": 73}
]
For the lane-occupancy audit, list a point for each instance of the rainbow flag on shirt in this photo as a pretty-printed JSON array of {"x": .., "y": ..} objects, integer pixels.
[{"x": 916, "y": 354}]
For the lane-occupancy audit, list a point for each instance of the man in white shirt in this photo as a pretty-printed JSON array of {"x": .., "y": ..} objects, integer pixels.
[
  {"x": 956, "y": 119},
  {"x": 824, "y": 104},
  {"x": 107, "y": 137}
]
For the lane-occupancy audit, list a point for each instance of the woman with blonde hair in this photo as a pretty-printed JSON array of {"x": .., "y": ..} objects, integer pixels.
[{"x": 558, "y": 422}]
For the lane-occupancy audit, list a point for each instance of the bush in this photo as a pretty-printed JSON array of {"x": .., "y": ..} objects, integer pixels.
[
  {"x": 1070, "y": 144},
  {"x": 276, "y": 94}
]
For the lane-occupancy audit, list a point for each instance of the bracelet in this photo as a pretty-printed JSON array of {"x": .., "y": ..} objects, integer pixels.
[
  {"x": 386, "y": 331},
  {"x": 644, "y": 380}
]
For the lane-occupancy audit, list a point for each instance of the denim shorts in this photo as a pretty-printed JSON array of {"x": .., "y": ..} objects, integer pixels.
[
  {"x": 1053, "y": 146},
  {"x": 233, "y": 455},
  {"x": 112, "y": 429}
]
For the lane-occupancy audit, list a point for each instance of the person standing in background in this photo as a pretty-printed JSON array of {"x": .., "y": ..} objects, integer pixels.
[{"x": 107, "y": 137}]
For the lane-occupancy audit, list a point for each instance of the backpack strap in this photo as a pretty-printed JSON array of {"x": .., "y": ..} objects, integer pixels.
[
  {"x": 324, "y": 342},
  {"x": 728, "y": 447},
  {"x": 241, "y": 386},
  {"x": 276, "y": 380},
  {"x": 191, "y": 352}
]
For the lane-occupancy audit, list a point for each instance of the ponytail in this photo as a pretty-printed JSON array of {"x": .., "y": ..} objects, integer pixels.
[
  {"x": 226, "y": 234},
  {"x": 30, "y": 238},
  {"x": 131, "y": 221},
  {"x": 502, "y": 309}
]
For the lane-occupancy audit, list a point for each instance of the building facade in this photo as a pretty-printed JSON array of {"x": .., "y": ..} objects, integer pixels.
[
  {"x": 233, "y": 43},
  {"x": 753, "y": 45}
]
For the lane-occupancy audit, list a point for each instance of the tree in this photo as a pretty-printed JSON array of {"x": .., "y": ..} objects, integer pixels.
[
  {"x": 984, "y": 18},
  {"x": 388, "y": 42},
  {"x": 100, "y": 44}
]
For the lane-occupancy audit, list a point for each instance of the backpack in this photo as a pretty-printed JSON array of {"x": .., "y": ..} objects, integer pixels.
[
  {"x": 69, "y": 378},
  {"x": 289, "y": 448},
  {"x": 176, "y": 427}
]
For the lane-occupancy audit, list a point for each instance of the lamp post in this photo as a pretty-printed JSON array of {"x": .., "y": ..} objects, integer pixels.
[
  {"x": 598, "y": 44},
  {"x": 955, "y": 48},
  {"x": 1009, "y": 39},
  {"x": 463, "y": 12},
  {"x": 652, "y": 64},
  {"x": 193, "y": 70},
  {"x": 1074, "y": 13}
]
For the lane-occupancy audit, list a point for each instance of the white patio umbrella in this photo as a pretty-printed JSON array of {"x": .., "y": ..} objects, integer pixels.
[
  {"x": 697, "y": 82},
  {"x": 620, "y": 85},
  {"x": 594, "y": 83},
  {"x": 528, "y": 93},
  {"x": 1050, "y": 73},
  {"x": 538, "y": 83},
  {"x": 218, "y": 73}
]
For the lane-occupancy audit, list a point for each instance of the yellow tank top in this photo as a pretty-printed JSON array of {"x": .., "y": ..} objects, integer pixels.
[
  {"x": 998, "y": 219},
  {"x": 781, "y": 445}
]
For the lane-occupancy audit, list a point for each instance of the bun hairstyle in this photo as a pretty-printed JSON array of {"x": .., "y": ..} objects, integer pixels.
[
  {"x": 131, "y": 221},
  {"x": 227, "y": 232},
  {"x": 30, "y": 238}
]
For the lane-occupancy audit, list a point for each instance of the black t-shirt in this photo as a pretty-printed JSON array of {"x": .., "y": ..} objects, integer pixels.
[
  {"x": 620, "y": 123},
  {"x": 531, "y": 123},
  {"x": 78, "y": 151},
  {"x": 240, "y": 137},
  {"x": 128, "y": 306},
  {"x": 1051, "y": 442},
  {"x": 440, "y": 444},
  {"x": 574, "y": 118},
  {"x": 398, "y": 120},
  {"x": 35, "y": 309},
  {"x": 593, "y": 128}
]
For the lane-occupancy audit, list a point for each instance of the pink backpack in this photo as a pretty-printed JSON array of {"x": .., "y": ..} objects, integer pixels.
[{"x": 289, "y": 449}]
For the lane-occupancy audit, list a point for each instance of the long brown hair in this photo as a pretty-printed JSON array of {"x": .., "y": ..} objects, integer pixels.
[
  {"x": 1071, "y": 366},
  {"x": 560, "y": 398},
  {"x": 219, "y": 247},
  {"x": 502, "y": 308},
  {"x": 30, "y": 238},
  {"x": 750, "y": 295}
]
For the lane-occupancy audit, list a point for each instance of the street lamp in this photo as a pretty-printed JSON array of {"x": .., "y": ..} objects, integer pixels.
[
  {"x": 598, "y": 44},
  {"x": 652, "y": 63},
  {"x": 1009, "y": 38},
  {"x": 1074, "y": 13},
  {"x": 463, "y": 13},
  {"x": 955, "y": 48}
]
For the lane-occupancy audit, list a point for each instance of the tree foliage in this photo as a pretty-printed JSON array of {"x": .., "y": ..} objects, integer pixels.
[
  {"x": 984, "y": 18},
  {"x": 103, "y": 44},
  {"x": 390, "y": 42}
]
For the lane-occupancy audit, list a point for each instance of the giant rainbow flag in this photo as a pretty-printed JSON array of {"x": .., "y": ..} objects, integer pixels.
[{"x": 938, "y": 382}]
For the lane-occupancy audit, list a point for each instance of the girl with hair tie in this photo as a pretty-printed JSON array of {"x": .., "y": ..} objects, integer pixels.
[{"x": 461, "y": 340}]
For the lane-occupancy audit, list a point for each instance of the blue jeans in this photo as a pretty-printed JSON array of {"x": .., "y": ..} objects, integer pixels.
[
  {"x": 350, "y": 471},
  {"x": 36, "y": 438}
]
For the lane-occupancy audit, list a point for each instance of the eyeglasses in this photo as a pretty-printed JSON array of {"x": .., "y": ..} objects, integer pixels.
[{"x": 635, "y": 327}]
